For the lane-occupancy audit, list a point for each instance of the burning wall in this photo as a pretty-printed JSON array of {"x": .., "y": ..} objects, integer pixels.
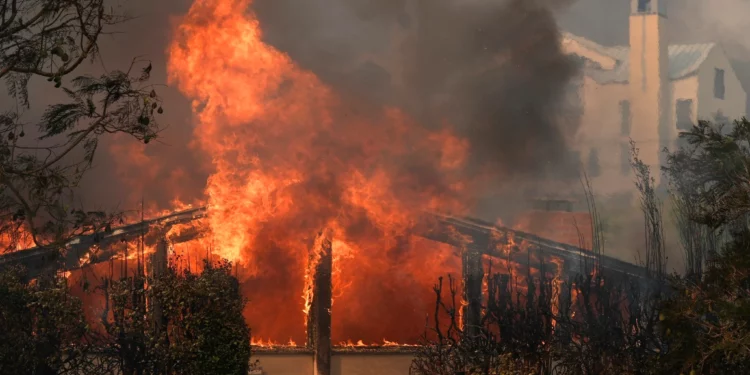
[
  {"x": 294, "y": 150},
  {"x": 294, "y": 153},
  {"x": 293, "y": 158},
  {"x": 390, "y": 300}
]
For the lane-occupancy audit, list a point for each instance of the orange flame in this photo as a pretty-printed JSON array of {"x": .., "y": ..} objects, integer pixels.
[
  {"x": 16, "y": 239},
  {"x": 290, "y": 158}
]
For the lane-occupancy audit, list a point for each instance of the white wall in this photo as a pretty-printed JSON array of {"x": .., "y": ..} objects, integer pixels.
[
  {"x": 600, "y": 128},
  {"x": 371, "y": 364},
  {"x": 285, "y": 364},
  {"x": 735, "y": 99},
  {"x": 684, "y": 89},
  {"x": 341, "y": 364}
]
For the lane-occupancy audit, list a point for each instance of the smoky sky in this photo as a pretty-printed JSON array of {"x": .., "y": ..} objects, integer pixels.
[
  {"x": 494, "y": 70},
  {"x": 370, "y": 48},
  {"x": 127, "y": 172}
]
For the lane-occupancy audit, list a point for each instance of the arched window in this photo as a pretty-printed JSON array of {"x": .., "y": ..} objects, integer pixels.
[
  {"x": 594, "y": 168},
  {"x": 625, "y": 118},
  {"x": 719, "y": 87},
  {"x": 644, "y": 6},
  {"x": 625, "y": 166},
  {"x": 684, "y": 114}
]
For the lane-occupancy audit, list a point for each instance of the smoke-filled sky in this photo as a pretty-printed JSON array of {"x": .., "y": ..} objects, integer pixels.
[
  {"x": 492, "y": 67},
  {"x": 460, "y": 61}
]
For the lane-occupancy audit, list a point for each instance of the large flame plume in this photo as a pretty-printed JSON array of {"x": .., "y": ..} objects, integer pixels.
[{"x": 292, "y": 158}]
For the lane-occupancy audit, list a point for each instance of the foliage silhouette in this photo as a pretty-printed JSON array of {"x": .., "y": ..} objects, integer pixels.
[{"x": 40, "y": 168}]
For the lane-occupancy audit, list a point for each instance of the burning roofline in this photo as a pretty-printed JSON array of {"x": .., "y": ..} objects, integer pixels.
[
  {"x": 41, "y": 259},
  {"x": 484, "y": 237},
  {"x": 476, "y": 237},
  {"x": 482, "y": 234}
]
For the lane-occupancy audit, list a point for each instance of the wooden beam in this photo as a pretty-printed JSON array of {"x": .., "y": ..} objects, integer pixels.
[
  {"x": 39, "y": 260},
  {"x": 319, "y": 317},
  {"x": 565, "y": 308},
  {"x": 159, "y": 261},
  {"x": 435, "y": 228},
  {"x": 159, "y": 267},
  {"x": 473, "y": 274}
]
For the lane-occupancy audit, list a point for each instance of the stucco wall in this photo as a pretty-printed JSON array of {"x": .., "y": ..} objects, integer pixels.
[
  {"x": 600, "y": 129},
  {"x": 372, "y": 364},
  {"x": 341, "y": 364},
  {"x": 684, "y": 89},
  {"x": 649, "y": 84},
  {"x": 285, "y": 364}
]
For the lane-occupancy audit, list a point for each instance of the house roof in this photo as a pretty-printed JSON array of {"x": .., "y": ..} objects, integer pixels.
[{"x": 684, "y": 59}]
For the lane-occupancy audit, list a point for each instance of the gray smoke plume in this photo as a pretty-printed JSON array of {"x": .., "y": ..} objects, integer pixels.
[
  {"x": 430, "y": 60},
  {"x": 494, "y": 69},
  {"x": 126, "y": 171}
]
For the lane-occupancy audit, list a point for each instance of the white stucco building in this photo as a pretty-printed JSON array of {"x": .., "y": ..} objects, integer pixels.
[{"x": 648, "y": 91}]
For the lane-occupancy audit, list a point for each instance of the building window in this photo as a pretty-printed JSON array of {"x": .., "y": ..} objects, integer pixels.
[
  {"x": 574, "y": 96},
  {"x": 685, "y": 114},
  {"x": 720, "y": 119},
  {"x": 594, "y": 168},
  {"x": 719, "y": 89},
  {"x": 625, "y": 158},
  {"x": 625, "y": 118},
  {"x": 644, "y": 6}
]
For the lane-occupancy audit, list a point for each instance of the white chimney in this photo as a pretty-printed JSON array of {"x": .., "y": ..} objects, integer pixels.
[{"x": 650, "y": 86}]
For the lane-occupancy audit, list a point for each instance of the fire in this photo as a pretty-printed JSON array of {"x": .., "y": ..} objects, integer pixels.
[
  {"x": 13, "y": 239},
  {"x": 292, "y": 158},
  {"x": 135, "y": 250},
  {"x": 361, "y": 344},
  {"x": 349, "y": 344},
  {"x": 261, "y": 343},
  {"x": 557, "y": 284}
]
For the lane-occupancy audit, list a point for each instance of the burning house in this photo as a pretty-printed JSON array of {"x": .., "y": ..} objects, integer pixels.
[
  {"x": 332, "y": 205},
  {"x": 475, "y": 244}
]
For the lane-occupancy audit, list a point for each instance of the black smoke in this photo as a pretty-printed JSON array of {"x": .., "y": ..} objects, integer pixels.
[{"x": 494, "y": 69}]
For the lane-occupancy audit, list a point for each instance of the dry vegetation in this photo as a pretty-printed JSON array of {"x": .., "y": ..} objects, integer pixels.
[{"x": 695, "y": 322}]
